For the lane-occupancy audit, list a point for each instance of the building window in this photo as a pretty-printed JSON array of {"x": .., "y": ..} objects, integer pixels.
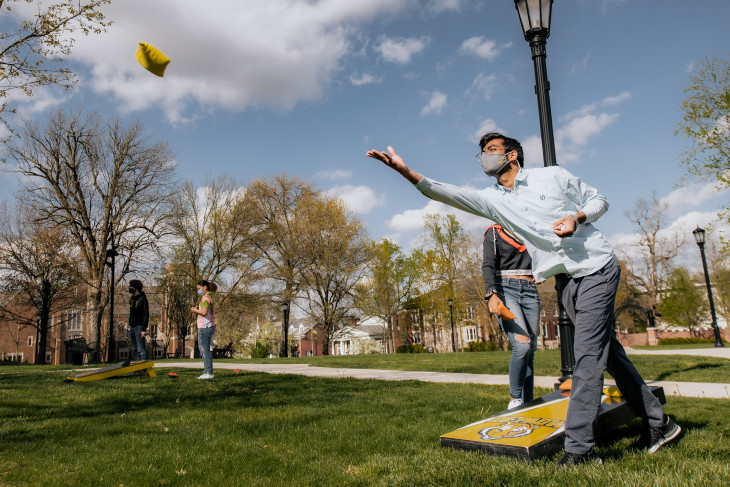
[
  {"x": 416, "y": 337},
  {"x": 73, "y": 320},
  {"x": 471, "y": 334},
  {"x": 30, "y": 341},
  {"x": 123, "y": 353},
  {"x": 469, "y": 313},
  {"x": 157, "y": 352},
  {"x": 15, "y": 357},
  {"x": 309, "y": 353},
  {"x": 49, "y": 357}
]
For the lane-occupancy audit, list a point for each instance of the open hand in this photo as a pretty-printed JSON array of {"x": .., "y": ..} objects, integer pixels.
[{"x": 390, "y": 158}]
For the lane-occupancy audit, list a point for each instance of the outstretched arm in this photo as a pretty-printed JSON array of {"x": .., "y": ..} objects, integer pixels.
[{"x": 393, "y": 160}]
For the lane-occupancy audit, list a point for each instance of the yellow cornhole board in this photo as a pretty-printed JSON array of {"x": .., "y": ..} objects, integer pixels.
[
  {"x": 114, "y": 371},
  {"x": 537, "y": 429}
]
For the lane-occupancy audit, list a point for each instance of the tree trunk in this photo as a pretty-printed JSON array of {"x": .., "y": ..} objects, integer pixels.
[{"x": 43, "y": 323}]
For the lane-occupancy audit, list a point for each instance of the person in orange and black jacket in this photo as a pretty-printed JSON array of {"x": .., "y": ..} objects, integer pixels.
[{"x": 507, "y": 274}]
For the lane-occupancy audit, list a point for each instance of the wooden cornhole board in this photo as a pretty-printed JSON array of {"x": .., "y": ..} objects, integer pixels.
[
  {"x": 537, "y": 429},
  {"x": 114, "y": 371}
]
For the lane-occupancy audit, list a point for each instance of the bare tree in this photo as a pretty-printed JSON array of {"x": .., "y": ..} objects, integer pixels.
[
  {"x": 655, "y": 248},
  {"x": 38, "y": 267},
  {"x": 31, "y": 50},
  {"x": 211, "y": 240},
  {"x": 335, "y": 248},
  {"x": 105, "y": 183}
]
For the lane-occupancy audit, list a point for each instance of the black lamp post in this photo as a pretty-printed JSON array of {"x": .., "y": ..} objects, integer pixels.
[
  {"x": 111, "y": 346},
  {"x": 535, "y": 18},
  {"x": 285, "y": 310},
  {"x": 699, "y": 234},
  {"x": 451, "y": 313}
]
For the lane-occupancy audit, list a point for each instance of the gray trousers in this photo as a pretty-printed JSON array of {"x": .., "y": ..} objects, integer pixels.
[{"x": 589, "y": 302}]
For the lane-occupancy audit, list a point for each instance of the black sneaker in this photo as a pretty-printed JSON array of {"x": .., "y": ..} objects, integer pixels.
[
  {"x": 125, "y": 364},
  {"x": 571, "y": 459},
  {"x": 654, "y": 438}
]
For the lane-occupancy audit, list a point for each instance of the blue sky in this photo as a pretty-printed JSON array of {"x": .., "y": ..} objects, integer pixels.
[{"x": 260, "y": 87}]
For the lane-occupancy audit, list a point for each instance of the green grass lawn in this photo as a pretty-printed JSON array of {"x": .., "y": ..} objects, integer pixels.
[
  {"x": 253, "y": 429},
  {"x": 681, "y": 368}
]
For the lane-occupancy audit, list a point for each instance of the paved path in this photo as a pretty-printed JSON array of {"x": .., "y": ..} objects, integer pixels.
[
  {"x": 686, "y": 389},
  {"x": 723, "y": 352}
]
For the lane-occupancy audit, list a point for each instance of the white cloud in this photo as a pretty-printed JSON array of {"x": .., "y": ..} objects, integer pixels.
[
  {"x": 688, "y": 255},
  {"x": 580, "y": 66},
  {"x": 334, "y": 174},
  {"x": 435, "y": 104},
  {"x": 365, "y": 79},
  {"x": 615, "y": 100},
  {"x": 412, "y": 220},
  {"x": 400, "y": 51},
  {"x": 532, "y": 148},
  {"x": 270, "y": 54},
  {"x": 439, "y": 6},
  {"x": 360, "y": 199},
  {"x": 691, "y": 196},
  {"x": 487, "y": 125},
  {"x": 44, "y": 98},
  {"x": 484, "y": 84},
  {"x": 484, "y": 48},
  {"x": 579, "y": 126}
]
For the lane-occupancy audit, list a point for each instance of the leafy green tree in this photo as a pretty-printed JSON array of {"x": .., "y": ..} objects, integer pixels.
[
  {"x": 334, "y": 244},
  {"x": 32, "y": 51},
  {"x": 445, "y": 246},
  {"x": 706, "y": 124},
  {"x": 683, "y": 301},
  {"x": 390, "y": 284}
]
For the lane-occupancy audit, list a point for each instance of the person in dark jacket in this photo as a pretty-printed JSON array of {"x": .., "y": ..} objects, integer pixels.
[
  {"x": 507, "y": 274},
  {"x": 139, "y": 317}
]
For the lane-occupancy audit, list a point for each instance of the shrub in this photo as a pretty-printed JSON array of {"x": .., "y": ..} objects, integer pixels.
[
  {"x": 481, "y": 347},
  {"x": 367, "y": 346},
  {"x": 261, "y": 350},
  {"x": 685, "y": 341},
  {"x": 410, "y": 348}
]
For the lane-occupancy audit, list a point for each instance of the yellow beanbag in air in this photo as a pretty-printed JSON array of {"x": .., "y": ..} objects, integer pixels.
[{"x": 152, "y": 59}]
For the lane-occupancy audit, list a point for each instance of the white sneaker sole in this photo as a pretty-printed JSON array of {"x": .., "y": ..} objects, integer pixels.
[{"x": 666, "y": 439}]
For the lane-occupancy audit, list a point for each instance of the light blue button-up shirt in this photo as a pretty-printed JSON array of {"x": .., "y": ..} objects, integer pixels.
[{"x": 539, "y": 198}]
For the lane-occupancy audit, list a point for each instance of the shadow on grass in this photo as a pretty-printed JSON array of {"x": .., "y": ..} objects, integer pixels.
[{"x": 699, "y": 366}]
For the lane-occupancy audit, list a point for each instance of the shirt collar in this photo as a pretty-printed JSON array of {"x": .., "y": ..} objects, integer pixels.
[{"x": 521, "y": 176}]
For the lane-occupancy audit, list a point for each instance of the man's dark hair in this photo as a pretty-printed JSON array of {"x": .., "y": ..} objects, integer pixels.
[
  {"x": 510, "y": 144},
  {"x": 136, "y": 284}
]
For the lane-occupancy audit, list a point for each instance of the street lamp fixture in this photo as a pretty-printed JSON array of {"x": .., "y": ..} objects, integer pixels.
[
  {"x": 699, "y": 234},
  {"x": 285, "y": 324},
  {"x": 535, "y": 17},
  {"x": 451, "y": 313},
  {"x": 111, "y": 345}
]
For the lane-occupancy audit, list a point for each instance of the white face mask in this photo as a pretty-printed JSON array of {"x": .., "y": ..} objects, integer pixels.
[{"x": 493, "y": 164}]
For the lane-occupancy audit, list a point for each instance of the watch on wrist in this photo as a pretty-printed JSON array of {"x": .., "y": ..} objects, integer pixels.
[{"x": 490, "y": 293}]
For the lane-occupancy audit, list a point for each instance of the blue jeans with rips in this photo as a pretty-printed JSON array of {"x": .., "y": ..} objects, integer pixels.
[
  {"x": 521, "y": 297},
  {"x": 205, "y": 337},
  {"x": 139, "y": 349}
]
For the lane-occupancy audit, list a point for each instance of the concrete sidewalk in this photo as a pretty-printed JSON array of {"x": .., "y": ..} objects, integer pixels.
[
  {"x": 685, "y": 389},
  {"x": 722, "y": 352}
]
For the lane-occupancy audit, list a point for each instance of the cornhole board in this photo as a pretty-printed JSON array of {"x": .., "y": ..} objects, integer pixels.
[
  {"x": 537, "y": 429},
  {"x": 114, "y": 371}
]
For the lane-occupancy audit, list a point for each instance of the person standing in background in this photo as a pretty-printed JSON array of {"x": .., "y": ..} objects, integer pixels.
[{"x": 206, "y": 325}]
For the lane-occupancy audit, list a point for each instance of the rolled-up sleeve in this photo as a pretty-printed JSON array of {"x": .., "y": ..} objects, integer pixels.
[{"x": 586, "y": 197}]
